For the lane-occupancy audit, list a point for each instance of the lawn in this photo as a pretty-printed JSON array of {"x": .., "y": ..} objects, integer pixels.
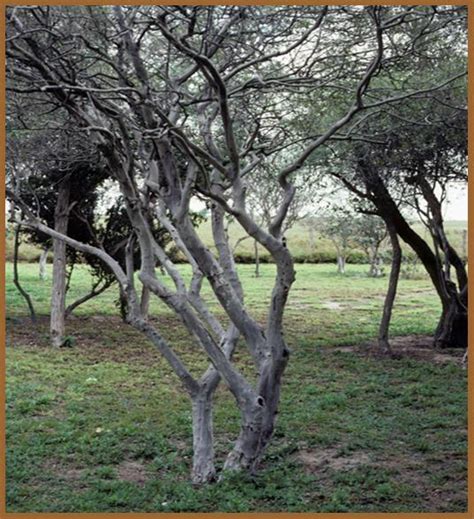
[{"x": 103, "y": 427}]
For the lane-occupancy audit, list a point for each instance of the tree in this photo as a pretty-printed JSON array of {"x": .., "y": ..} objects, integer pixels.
[
  {"x": 59, "y": 182},
  {"x": 340, "y": 227},
  {"x": 430, "y": 171},
  {"x": 265, "y": 197},
  {"x": 369, "y": 234},
  {"x": 187, "y": 101},
  {"x": 399, "y": 174}
]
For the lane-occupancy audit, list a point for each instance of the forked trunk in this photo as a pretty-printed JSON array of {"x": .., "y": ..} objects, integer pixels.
[
  {"x": 258, "y": 420},
  {"x": 248, "y": 447},
  {"x": 451, "y": 331}
]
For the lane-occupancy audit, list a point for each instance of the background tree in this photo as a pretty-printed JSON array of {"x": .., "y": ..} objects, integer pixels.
[
  {"x": 340, "y": 226},
  {"x": 369, "y": 234},
  {"x": 265, "y": 197},
  {"x": 59, "y": 182},
  {"x": 400, "y": 175}
]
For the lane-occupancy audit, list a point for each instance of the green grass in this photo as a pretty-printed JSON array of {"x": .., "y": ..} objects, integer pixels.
[
  {"x": 103, "y": 426},
  {"x": 313, "y": 297}
]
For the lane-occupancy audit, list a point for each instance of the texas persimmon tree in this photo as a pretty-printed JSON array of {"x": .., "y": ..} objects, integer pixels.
[{"x": 188, "y": 101}]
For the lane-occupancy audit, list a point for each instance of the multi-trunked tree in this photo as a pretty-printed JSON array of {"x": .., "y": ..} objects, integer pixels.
[{"x": 186, "y": 102}]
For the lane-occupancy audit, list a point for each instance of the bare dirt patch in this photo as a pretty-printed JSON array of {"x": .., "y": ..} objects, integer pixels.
[
  {"x": 62, "y": 471},
  {"x": 73, "y": 474},
  {"x": 417, "y": 347},
  {"x": 332, "y": 305},
  {"x": 95, "y": 338},
  {"x": 132, "y": 471},
  {"x": 407, "y": 469},
  {"x": 331, "y": 458}
]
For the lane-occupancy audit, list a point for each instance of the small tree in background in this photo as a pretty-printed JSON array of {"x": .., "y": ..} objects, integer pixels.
[
  {"x": 340, "y": 226},
  {"x": 370, "y": 232}
]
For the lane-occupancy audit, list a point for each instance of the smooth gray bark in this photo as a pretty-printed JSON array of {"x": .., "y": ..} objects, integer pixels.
[
  {"x": 341, "y": 264},
  {"x": 204, "y": 469}
]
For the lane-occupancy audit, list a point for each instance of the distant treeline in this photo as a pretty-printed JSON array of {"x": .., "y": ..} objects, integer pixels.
[{"x": 300, "y": 244}]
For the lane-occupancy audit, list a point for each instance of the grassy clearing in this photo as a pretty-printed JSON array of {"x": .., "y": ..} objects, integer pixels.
[{"x": 103, "y": 427}]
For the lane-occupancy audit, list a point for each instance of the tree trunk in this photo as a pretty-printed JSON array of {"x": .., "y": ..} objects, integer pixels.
[
  {"x": 378, "y": 267},
  {"x": 257, "y": 259},
  {"x": 375, "y": 263},
  {"x": 203, "y": 470},
  {"x": 145, "y": 301},
  {"x": 384, "y": 345},
  {"x": 16, "y": 277},
  {"x": 247, "y": 448},
  {"x": 451, "y": 331},
  {"x": 58, "y": 293},
  {"x": 258, "y": 419},
  {"x": 42, "y": 263},
  {"x": 341, "y": 264}
]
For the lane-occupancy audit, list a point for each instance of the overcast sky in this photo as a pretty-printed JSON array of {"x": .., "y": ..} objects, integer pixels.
[{"x": 456, "y": 207}]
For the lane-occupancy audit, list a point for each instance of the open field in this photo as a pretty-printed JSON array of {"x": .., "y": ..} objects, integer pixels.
[{"x": 103, "y": 427}]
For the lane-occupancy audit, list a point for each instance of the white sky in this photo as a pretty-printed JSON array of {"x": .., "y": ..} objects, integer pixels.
[
  {"x": 455, "y": 207},
  {"x": 456, "y": 204}
]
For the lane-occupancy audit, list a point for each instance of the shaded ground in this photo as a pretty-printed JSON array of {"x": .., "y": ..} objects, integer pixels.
[
  {"x": 110, "y": 334},
  {"x": 418, "y": 347}
]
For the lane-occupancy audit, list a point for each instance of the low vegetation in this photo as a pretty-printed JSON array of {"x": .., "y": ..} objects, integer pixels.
[
  {"x": 305, "y": 245},
  {"x": 102, "y": 426}
]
